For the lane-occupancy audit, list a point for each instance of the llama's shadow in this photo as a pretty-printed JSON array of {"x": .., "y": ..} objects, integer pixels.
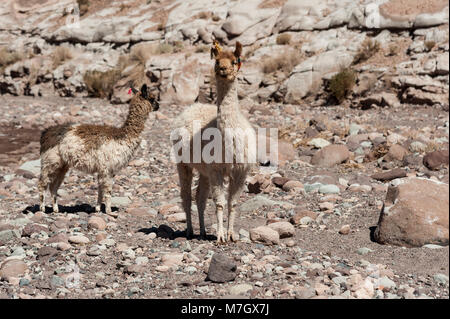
[
  {"x": 81, "y": 208},
  {"x": 164, "y": 231}
]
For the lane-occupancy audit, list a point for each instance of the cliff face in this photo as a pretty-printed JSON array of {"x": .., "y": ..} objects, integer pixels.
[{"x": 292, "y": 48}]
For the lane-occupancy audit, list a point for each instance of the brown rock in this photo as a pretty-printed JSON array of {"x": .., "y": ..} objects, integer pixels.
[
  {"x": 331, "y": 155},
  {"x": 295, "y": 220},
  {"x": 389, "y": 175},
  {"x": 396, "y": 152},
  {"x": 280, "y": 181},
  {"x": 13, "y": 268},
  {"x": 258, "y": 183},
  {"x": 265, "y": 235},
  {"x": 222, "y": 269},
  {"x": 96, "y": 222},
  {"x": 284, "y": 229},
  {"x": 435, "y": 159},
  {"x": 292, "y": 185},
  {"x": 345, "y": 230},
  {"x": 30, "y": 229},
  {"x": 415, "y": 213}
]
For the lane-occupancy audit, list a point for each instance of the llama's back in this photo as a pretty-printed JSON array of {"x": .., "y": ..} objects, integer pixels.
[
  {"x": 205, "y": 113},
  {"x": 88, "y": 148}
]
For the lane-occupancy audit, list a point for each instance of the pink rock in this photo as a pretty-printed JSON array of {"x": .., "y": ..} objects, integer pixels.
[
  {"x": 265, "y": 235},
  {"x": 331, "y": 155},
  {"x": 13, "y": 268},
  {"x": 284, "y": 229},
  {"x": 96, "y": 222},
  {"x": 176, "y": 218},
  {"x": 415, "y": 213}
]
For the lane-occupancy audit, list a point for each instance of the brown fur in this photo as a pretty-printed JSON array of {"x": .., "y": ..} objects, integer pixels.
[
  {"x": 53, "y": 135},
  {"x": 94, "y": 136}
]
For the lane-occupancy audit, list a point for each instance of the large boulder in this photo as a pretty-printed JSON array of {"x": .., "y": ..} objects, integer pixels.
[
  {"x": 414, "y": 213},
  {"x": 222, "y": 269},
  {"x": 246, "y": 14},
  {"x": 305, "y": 15},
  {"x": 306, "y": 77}
]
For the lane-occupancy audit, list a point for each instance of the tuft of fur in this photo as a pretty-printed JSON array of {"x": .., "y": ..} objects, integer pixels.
[
  {"x": 92, "y": 149},
  {"x": 213, "y": 176}
]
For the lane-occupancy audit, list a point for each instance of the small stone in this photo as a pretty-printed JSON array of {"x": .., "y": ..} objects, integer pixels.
[
  {"x": 177, "y": 218},
  {"x": 265, "y": 234},
  {"x": 345, "y": 230},
  {"x": 284, "y": 229},
  {"x": 292, "y": 186},
  {"x": 329, "y": 189},
  {"x": 318, "y": 142},
  {"x": 385, "y": 284},
  {"x": 240, "y": 289},
  {"x": 79, "y": 240},
  {"x": 326, "y": 206},
  {"x": 440, "y": 278},
  {"x": 364, "y": 251},
  {"x": 96, "y": 223}
]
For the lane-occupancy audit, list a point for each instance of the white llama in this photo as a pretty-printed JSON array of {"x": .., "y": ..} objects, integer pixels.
[
  {"x": 225, "y": 116},
  {"x": 92, "y": 149}
]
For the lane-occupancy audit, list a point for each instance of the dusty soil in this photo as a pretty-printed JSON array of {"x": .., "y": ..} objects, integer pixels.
[{"x": 151, "y": 183}]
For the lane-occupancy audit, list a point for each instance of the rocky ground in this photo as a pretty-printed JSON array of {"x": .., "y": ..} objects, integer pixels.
[{"x": 143, "y": 252}]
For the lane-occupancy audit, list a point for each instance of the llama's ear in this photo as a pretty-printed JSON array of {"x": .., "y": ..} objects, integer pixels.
[
  {"x": 238, "y": 51},
  {"x": 215, "y": 49},
  {"x": 144, "y": 90}
]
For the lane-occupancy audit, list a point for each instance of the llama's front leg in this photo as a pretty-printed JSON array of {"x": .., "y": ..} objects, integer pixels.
[
  {"x": 237, "y": 182},
  {"x": 217, "y": 186},
  {"x": 185, "y": 176},
  {"x": 201, "y": 197}
]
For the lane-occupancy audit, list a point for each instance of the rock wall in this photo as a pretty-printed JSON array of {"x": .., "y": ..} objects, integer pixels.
[{"x": 323, "y": 38}]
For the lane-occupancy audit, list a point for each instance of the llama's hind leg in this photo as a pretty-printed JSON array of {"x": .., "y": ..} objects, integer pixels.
[
  {"x": 216, "y": 181},
  {"x": 185, "y": 175},
  {"x": 237, "y": 182},
  {"x": 201, "y": 198},
  {"x": 43, "y": 183},
  {"x": 105, "y": 187},
  {"x": 101, "y": 191},
  {"x": 57, "y": 179}
]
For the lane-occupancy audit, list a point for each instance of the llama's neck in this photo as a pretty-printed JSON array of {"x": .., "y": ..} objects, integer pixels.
[
  {"x": 137, "y": 115},
  {"x": 227, "y": 103}
]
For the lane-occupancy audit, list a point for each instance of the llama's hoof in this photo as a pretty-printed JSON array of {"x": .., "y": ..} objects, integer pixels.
[
  {"x": 203, "y": 236},
  {"x": 56, "y": 209},
  {"x": 189, "y": 234},
  {"x": 111, "y": 213},
  {"x": 97, "y": 209},
  {"x": 232, "y": 237},
  {"x": 221, "y": 239},
  {"x": 42, "y": 209}
]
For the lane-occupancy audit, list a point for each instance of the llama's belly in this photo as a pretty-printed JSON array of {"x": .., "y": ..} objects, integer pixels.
[{"x": 110, "y": 157}]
